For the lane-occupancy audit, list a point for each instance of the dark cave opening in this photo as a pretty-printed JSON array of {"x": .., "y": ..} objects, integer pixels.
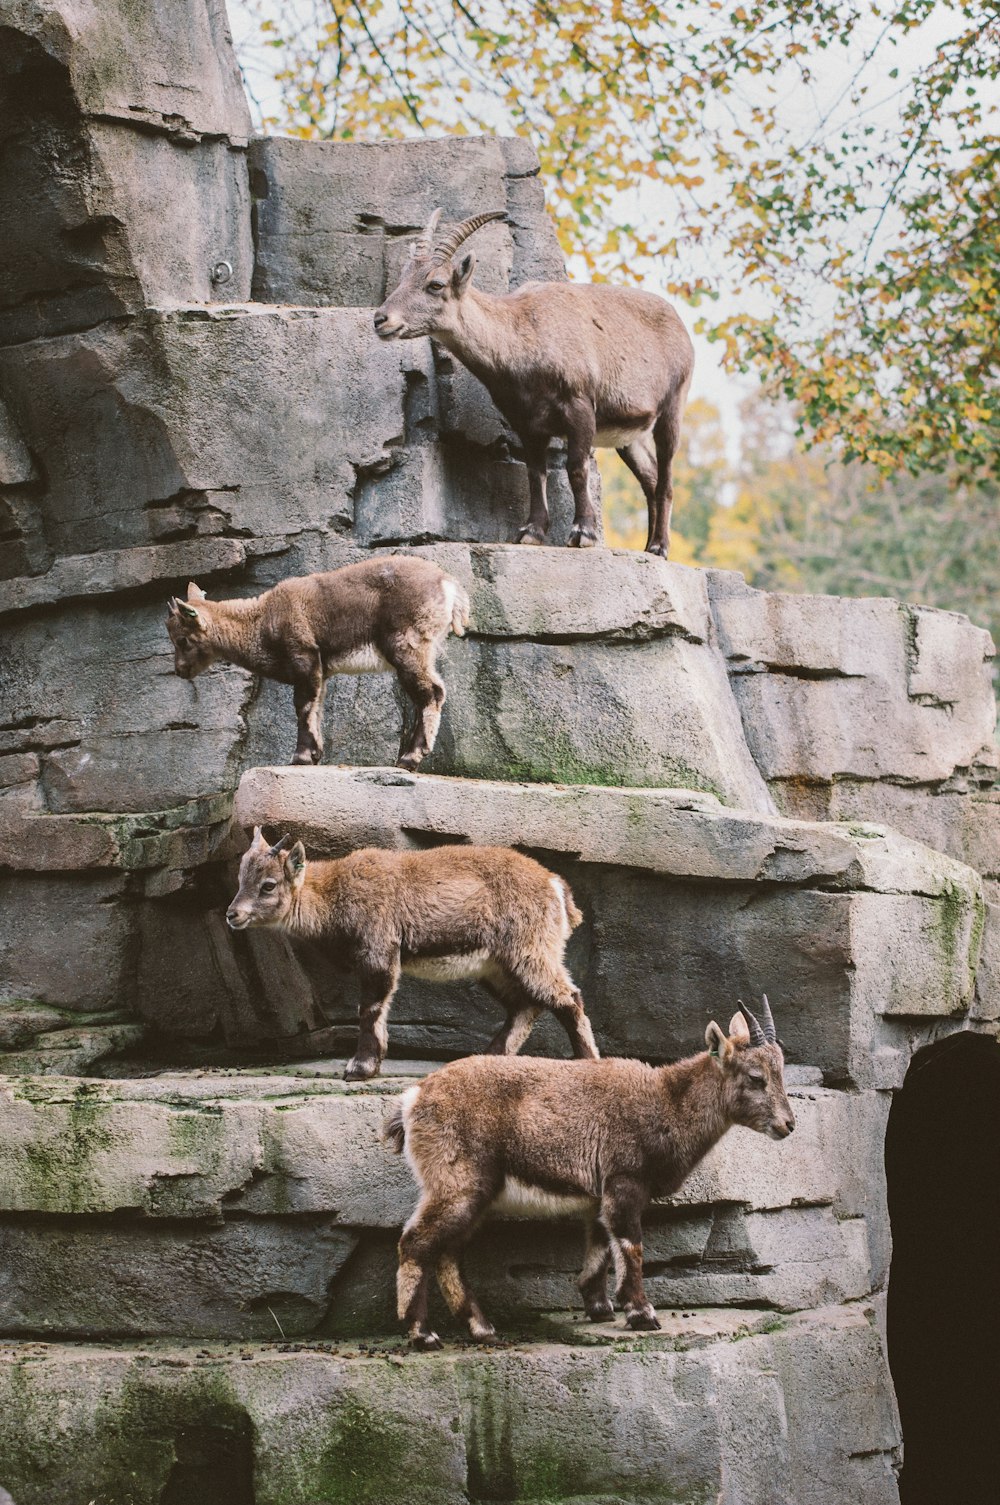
[
  {"x": 942, "y": 1160},
  {"x": 213, "y": 1466}
]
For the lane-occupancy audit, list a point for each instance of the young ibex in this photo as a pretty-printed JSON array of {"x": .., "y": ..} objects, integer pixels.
[
  {"x": 447, "y": 914},
  {"x": 594, "y": 365},
  {"x": 369, "y": 618},
  {"x": 548, "y": 1137}
]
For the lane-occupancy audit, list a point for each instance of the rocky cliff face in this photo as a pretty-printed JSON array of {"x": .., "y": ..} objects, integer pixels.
[{"x": 745, "y": 790}]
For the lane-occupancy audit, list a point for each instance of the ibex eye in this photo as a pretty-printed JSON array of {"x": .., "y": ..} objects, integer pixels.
[
  {"x": 270, "y": 884},
  {"x": 756, "y": 1079},
  {"x": 435, "y": 287}
]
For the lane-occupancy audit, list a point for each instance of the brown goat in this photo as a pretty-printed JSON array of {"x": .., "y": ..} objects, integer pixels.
[
  {"x": 447, "y": 914},
  {"x": 599, "y": 1138},
  {"x": 594, "y": 365},
  {"x": 367, "y": 618}
]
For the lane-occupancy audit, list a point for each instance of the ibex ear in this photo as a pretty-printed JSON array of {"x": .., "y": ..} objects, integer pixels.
[
  {"x": 720, "y": 1047},
  {"x": 738, "y": 1029},
  {"x": 463, "y": 272},
  {"x": 295, "y": 864},
  {"x": 195, "y": 592},
  {"x": 190, "y": 613}
]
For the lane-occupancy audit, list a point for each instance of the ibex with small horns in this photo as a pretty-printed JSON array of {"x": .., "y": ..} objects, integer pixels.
[
  {"x": 447, "y": 914},
  {"x": 594, "y": 365},
  {"x": 597, "y": 1138},
  {"x": 370, "y": 618}
]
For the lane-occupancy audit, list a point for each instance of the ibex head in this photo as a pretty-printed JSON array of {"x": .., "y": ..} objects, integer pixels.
[
  {"x": 270, "y": 877},
  {"x": 187, "y": 626},
  {"x": 753, "y": 1067},
  {"x": 432, "y": 284}
]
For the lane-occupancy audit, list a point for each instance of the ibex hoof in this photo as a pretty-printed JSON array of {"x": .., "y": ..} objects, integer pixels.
[
  {"x": 305, "y": 759},
  {"x": 482, "y": 1332},
  {"x": 660, "y": 549},
  {"x": 582, "y": 537},
  {"x": 643, "y": 1322},
  {"x": 602, "y": 1313},
  {"x": 410, "y": 761},
  {"x": 426, "y": 1342},
  {"x": 360, "y": 1071},
  {"x": 530, "y": 535}
]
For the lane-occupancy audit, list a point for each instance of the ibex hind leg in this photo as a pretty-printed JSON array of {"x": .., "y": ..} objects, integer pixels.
[
  {"x": 521, "y": 1011},
  {"x": 666, "y": 437},
  {"x": 437, "y": 1227},
  {"x": 308, "y": 696},
  {"x": 461, "y": 1302},
  {"x": 424, "y": 688},
  {"x": 550, "y": 986}
]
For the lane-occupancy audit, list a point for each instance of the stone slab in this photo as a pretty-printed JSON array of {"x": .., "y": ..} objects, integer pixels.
[
  {"x": 546, "y": 1421},
  {"x": 333, "y": 220},
  {"x": 92, "y": 247},
  {"x": 579, "y": 667},
  {"x": 265, "y": 416},
  {"x": 206, "y": 1144},
  {"x": 166, "y": 65},
  {"x": 109, "y": 572},
  {"x": 687, "y": 906},
  {"x": 869, "y": 689}
]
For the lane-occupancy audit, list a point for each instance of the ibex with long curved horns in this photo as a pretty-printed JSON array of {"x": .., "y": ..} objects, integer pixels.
[
  {"x": 598, "y": 1138},
  {"x": 594, "y": 365}
]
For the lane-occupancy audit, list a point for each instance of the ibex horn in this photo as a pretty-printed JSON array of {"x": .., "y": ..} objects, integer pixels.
[
  {"x": 446, "y": 248},
  {"x": 424, "y": 243},
  {"x": 279, "y": 846},
  {"x": 770, "y": 1034},
  {"x": 757, "y": 1036}
]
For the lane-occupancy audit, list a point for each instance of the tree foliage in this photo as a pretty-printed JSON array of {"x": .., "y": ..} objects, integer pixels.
[
  {"x": 833, "y": 163},
  {"x": 796, "y": 521}
]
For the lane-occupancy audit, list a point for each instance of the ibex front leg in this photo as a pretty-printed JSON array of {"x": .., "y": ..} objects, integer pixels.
[
  {"x": 536, "y": 453},
  {"x": 593, "y": 1281},
  {"x": 621, "y": 1213},
  {"x": 378, "y": 984},
  {"x": 579, "y": 448}
]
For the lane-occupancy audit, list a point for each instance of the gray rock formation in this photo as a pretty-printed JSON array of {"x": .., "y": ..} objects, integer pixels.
[{"x": 745, "y": 790}]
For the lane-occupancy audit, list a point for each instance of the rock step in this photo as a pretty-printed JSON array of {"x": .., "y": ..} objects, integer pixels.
[
  {"x": 688, "y": 905},
  {"x": 719, "y": 1407},
  {"x": 224, "y": 1204},
  {"x": 592, "y": 667}
]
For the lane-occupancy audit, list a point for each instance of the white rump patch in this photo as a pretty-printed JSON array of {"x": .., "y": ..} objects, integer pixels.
[
  {"x": 519, "y": 1199},
  {"x": 465, "y": 966},
  {"x": 365, "y": 660},
  {"x": 450, "y": 592},
  {"x": 407, "y": 1103},
  {"x": 560, "y": 893}
]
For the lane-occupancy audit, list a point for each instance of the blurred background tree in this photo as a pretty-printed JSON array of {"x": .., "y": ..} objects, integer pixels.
[
  {"x": 819, "y": 178},
  {"x": 793, "y": 519}
]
